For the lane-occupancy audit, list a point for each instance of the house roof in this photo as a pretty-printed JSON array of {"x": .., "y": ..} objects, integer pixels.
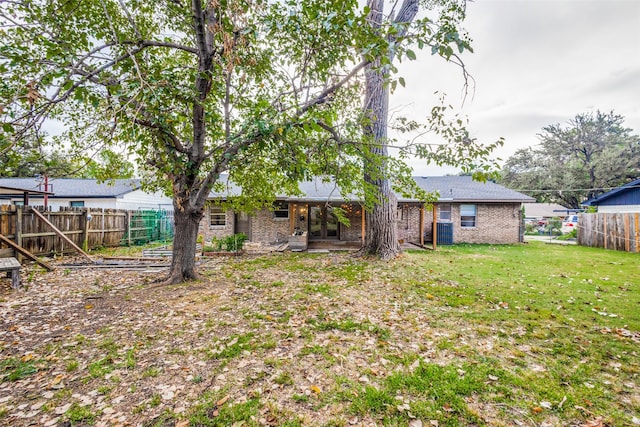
[
  {"x": 465, "y": 189},
  {"x": 626, "y": 194},
  {"x": 65, "y": 188},
  {"x": 545, "y": 210},
  {"x": 451, "y": 188}
]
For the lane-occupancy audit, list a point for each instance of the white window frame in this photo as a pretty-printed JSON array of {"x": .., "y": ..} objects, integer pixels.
[
  {"x": 468, "y": 216},
  {"x": 444, "y": 208}
]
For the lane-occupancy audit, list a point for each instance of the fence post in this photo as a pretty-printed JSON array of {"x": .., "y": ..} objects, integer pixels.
[
  {"x": 604, "y": 232},
  {"x": 128, "y": 230},
  {"x": 637, "y": 232},
  {"x": 18, "y": 235},
  {"x": 85, "y": 229}
]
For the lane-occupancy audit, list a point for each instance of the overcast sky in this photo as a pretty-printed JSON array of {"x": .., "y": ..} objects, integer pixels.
[{"x": 535, "y": 63}]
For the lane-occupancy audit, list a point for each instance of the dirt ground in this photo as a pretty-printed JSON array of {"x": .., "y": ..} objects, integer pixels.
[{"x": 109, "y": 347}]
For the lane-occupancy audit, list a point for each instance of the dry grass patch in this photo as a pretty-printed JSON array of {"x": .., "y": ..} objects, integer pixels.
[{"x": 469, "y": 335}]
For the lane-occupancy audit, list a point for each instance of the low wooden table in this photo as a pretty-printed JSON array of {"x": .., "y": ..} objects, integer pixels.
[{"x": 12, "y": 267}]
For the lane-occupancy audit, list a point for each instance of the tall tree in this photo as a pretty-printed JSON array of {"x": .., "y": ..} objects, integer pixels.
[
  {"x": 193, "y": 88},
  {"x": 32, "y": 157},
  {"x": 402, "y": 30},
  {"x": 592, "y": 154}
]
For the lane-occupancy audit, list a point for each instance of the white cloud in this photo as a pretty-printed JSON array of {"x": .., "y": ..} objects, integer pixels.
[{"x": 536, "y": 63}]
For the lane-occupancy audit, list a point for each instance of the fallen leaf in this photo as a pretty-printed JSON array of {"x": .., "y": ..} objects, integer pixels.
[
  {"x": 404, "y": 407},
  {"x": 315, "y": 389},
  {"x": 56, "y": 380},
  {"x": 183, "y": 423},
  {"x": 415, "y": 423},
  {"x": 62, "y": 409},
  {"x": 222, "y": 401},
  {"x": 564, "y": 399},
  {"x": 594, "y": 423}
]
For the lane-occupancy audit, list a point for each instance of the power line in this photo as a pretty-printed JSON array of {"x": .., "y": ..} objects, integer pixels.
[{"x": 574, "y": 189}]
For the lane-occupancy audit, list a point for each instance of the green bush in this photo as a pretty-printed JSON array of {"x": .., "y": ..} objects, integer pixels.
[
  {"x": 233, "y": 243},
  {"x": 573, "y": 234}
]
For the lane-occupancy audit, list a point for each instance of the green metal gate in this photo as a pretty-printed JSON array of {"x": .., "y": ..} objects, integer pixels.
[{"x": 147, "y": 226}]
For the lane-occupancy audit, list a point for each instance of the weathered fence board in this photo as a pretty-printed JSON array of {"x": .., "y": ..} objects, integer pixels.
[
  {"x": 86, "y": 228},
  {"x": 617, "y": 231}
]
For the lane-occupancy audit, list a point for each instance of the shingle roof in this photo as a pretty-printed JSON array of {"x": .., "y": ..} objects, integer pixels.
[
  {"x": 465, "y": 189},
  {"x": 75, "y": 187},
  {"x": 451, "y": 188},
  {"x": 549, "y": 210}
]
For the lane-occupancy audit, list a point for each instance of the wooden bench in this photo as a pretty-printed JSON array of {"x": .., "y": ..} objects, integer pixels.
[{"x": 12, "y": 267}]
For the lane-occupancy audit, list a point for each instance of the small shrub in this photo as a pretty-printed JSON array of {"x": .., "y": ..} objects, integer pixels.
[
  {"x": 573, "y": 234},
  {"x": 235, "y": 243}
]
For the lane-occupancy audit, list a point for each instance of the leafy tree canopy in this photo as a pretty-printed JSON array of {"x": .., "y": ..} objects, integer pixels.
[
  {"x": 31, "y": 158},
  {"x": 264, "y": 90},
  {"x": 592, "y": 154}
]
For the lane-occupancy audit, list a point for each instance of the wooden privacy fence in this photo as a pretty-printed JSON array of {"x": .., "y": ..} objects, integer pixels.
[
  {"x": 87, "y": 228},
  {"x": 618, "y": 231}
]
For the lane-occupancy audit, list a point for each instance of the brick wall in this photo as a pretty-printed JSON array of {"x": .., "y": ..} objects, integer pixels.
[
  {"x": 495, "y": 224},
  {"x": 264, "y": 227},
  {"x": 408, "y": 223},
  {"x": 210, "y": 231},
  {"x": 267, "y": 229}
]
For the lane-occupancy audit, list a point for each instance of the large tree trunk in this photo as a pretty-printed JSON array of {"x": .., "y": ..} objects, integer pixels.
[
  {"x": 186, "y": 220},
  {"x": 381, "y": 230}
]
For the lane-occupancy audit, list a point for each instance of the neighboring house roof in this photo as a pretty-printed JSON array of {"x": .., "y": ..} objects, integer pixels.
[
  {"x": 545, "y": 210},
  {"x": 628, "y": 194},
  {"x": 451, "y": 188},
  {"x": 68, "y": 188}
]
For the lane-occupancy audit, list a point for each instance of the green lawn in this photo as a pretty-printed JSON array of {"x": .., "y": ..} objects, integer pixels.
[{"x": 532, "y": 335}]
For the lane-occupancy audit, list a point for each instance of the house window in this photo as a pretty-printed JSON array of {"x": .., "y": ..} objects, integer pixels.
[
  {"x": 281, "y": 210},
  {"x": 467, "y": 216},
  {"x": 444, "y": 212},
  {"x": 400, "y": 215},
  {"x": 77, "y": 204},
  {"x": 18, "y": 203},
  {"x": 217, "y": 216}
]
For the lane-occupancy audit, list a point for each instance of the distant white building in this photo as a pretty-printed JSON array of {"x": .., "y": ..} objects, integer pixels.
[
  {"x": 545, "y": 211},
  {"x": 74, "y": 192}
]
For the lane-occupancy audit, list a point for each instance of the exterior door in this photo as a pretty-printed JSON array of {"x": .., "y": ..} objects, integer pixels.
[
  {"x": 323, "y": 224},
  {"x": 243, "y": 224}
]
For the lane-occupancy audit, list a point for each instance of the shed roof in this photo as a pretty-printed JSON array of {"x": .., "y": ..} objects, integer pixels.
[
  {"x": 65, "y": 188},
  {"x": 626, "y": 194},
  {"x": 14, "y": 191}
]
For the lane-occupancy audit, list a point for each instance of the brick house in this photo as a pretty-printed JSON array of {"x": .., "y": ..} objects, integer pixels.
[{"x": 467, "y": 211}]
